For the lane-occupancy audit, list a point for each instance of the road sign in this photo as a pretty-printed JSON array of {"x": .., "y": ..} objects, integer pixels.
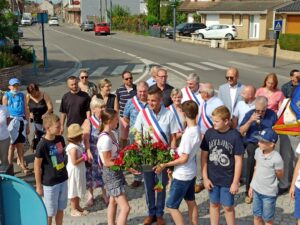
[
  {"x": 42, "y": 17},
  {"x": 278, "y": 25}
]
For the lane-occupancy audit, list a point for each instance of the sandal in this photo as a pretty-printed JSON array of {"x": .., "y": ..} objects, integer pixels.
[
  {"x": 76, "y": 213},
  {"x": 90, "y": 202}
]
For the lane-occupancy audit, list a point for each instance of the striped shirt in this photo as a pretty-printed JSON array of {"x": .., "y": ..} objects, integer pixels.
[{"x": 123, "y": 95}]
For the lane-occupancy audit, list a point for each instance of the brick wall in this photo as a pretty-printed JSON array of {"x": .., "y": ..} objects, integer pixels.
[{"x": 7, "y": 73}]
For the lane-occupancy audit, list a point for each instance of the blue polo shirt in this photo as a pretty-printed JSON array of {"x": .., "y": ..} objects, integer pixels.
[
  {"x": 131, "y": 112},
  {"x": 268, "y": 121}
]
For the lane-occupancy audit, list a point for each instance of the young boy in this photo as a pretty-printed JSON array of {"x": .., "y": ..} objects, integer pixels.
[
  {"x": 50, "y": 169},
  {"x": 184, "y": 175},
  {"x": 268, "y": 169},
  {"x": 295, "y": 187},
  {"x": 221, "y": 164}
]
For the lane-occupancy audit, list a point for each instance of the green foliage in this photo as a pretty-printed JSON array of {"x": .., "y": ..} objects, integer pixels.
[
  {"x": 181, "y": 17},
  {"x": 119, "y": 11},
  {"x": 197, "y": 18},
  {"x": 7, "y": 59},
  {"x": 8, "y": 25},
  {"x": 136, "y": 24},
  {"x": 290, "y": 42},
  {"x": 153, "y": 7},
  {"x": 26, "y": 55},
  {"x": 166, "y": 15},
  {"x": 151, "y": 19}
]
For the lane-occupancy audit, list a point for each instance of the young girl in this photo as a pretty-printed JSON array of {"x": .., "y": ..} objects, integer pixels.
[
  {"x": 76, "y": 169},
  {"x": 295, "y": 187}
]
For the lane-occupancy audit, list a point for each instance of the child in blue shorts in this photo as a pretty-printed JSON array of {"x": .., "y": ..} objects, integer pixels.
[
  {"x": 295, "y": 187},
  {"x": 51, "y": 175},
  {"x": 264, "y": 185},
  {"x": 221, "y": 165},
  {"x": 185, "y": 168}
]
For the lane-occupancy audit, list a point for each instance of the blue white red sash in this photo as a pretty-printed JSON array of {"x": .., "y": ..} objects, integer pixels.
[
  {"x": 152, "y": 122},
  {"x": 191, "y": 95},
  {"x": 95, "y": 121},
  {"x": 173, "y": 110},
  {"x": 138, "y": 106},
  {"x": 204, "y": 117}
]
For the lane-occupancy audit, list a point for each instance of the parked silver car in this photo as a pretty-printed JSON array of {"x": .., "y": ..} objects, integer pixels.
[{"x": 87, "y": 26}]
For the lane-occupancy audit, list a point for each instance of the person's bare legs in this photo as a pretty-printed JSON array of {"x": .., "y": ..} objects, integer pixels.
[
  {"x": 111, "y": 211},
  {"x": 269, "y": 222},
  {"x": 229, "y": 215},
  {"x": 104, "y": 196},
  {"x": 257, "y": 220},
  {"x": 214, "y": 212},
  {"x": 193, "y": 212},
  {"x": 124, "y": 209},
  {"x": 74, "y": 202},
  {"x": 20, "y": 152},
  {"x": 11, "y": 152},
  {"x": 49, "y": 220},
  {"x": 176, "y": 216},
  {"x": 59, "y": 217}
]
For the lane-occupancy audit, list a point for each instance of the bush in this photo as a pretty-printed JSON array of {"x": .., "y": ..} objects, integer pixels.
[
  {"x": 136, "y": 24},
  {"x": 290, "y": 42},
  {"x": 7, "y": 59},
  {"x": 27, "y": 55}
]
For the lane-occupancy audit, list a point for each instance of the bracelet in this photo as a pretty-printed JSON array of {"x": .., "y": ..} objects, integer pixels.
[{"x": 84, "y": 156}]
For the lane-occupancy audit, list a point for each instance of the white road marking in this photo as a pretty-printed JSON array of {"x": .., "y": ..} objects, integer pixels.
[
  {"x": 139, "y": 68},
  {"x": 119, "y": 70},
  {"x": 99, "y": 71},
  {"x": 180, "y": 66},
  {"x": 198, "y": 66},
  {"x": 243, "y": 64},
  {"x": 58, "y": 101},
  {"x": 215, "y": 65}
]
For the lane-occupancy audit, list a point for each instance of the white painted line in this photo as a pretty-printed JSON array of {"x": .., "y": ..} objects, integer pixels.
[
  {"x": 119, "y": 70},
  {"x": 132, "y": 55},
  {"x": 243, "y": 64},
  {"x": 198, "y": 66},
  {"x": 180, "y": 66},
  {"x": 99, "y": 71},
  {"x": 58, "y": 101},
  {"x": 139, "y": 68},
  {"x": 215, "y": 65},
  {"x": 55, "y": 71}
]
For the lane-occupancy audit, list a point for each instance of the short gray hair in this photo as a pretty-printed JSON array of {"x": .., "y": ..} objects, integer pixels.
[
  {"x": 208, "y": 88},
  {"x": 142, "y": 83},
  {"x": 261, "y": 100},
  {"x": 96, "y": 102},
  {"x": 193, "y": 77}
]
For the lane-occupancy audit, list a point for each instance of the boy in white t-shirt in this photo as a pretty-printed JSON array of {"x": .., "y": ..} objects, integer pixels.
[
  {"x": 295, "y": 187},
  {"x": 184, "y": 175}
]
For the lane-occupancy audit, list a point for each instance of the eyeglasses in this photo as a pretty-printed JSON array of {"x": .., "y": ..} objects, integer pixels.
[
  {"x": 260, "y": 111},
  {"x": 84, "y": 77},
  {"x": 128, "y": 78},
  {"x": 229, "y": 78}
]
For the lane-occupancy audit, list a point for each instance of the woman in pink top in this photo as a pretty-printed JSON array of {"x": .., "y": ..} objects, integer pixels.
[{"x": 270, "y": 91}]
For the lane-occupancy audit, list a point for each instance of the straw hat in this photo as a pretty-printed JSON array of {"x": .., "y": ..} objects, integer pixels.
[{"x": 74, "y": 130}]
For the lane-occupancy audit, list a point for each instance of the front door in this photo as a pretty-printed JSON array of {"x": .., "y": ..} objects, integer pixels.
[{"x": 254, "y": 27}]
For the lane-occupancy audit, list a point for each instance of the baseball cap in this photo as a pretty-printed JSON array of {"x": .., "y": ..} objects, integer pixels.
[
  {"x": 14, "y": 81},
  {"x": 268, "y": 135}
]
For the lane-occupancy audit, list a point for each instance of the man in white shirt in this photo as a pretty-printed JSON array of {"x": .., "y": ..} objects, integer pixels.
[
  {"x": 244, "y": 106},
  {"x": 191, "y": 91},
  {"x": 230, "y": 92}
]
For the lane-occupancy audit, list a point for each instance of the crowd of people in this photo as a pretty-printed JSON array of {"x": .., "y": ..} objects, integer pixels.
[{"x": 210, "y": 130}]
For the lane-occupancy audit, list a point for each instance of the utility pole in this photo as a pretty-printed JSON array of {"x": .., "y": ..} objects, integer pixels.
[
  {"x": 100, "y": 10},
  {"x": 174, "y": 20},
  {"x": 106, "y": 16},
  {"x": 110, "y": 14}
]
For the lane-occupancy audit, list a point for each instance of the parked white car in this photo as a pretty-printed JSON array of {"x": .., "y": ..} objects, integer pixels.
[
  {"x": 53, "y": 21},
  {"x": 26, "y": 21},
  {"x": 218, "y": 31}
]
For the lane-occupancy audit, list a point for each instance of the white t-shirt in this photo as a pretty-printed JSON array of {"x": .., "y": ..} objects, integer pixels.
[
  {"x": 298, "y": 178},
  {"x": 3, "y": 123},
  {"x": 105, "y": 144},
  {"x": 190, "y": 145}
]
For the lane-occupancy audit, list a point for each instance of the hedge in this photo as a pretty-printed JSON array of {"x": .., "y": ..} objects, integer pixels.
[{"x": 290, "y": 42}]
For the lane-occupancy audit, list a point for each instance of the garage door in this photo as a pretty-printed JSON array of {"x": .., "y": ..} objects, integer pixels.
[
  {"x": 212, "y": 19},
  {"x": 293, "y": 24}
]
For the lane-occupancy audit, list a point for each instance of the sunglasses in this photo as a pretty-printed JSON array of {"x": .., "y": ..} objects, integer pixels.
[
  {"x": 84, "y": 77},
  {"x": 229, "y": 78},
  {"x": 128, "y": 78},
  {"x": 260, "y": 111}
]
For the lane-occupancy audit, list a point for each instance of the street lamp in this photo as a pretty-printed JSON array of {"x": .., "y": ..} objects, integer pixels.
[{"x": 174, "y": 3}]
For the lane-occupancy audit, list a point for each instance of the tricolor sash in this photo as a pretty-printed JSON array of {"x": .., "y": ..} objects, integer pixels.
[
  {"x": 173, "y": 109},
  {"x": 95, "y": 121},
  {"x": 152, "y": 122},
  {"x": 138, "y": 106},
  {"x": 192, "y": 95},
  {"x": 204, "y": 117}
]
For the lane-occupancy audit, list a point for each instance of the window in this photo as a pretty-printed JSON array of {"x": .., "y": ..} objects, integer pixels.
[{"x": 237, "y": 19}]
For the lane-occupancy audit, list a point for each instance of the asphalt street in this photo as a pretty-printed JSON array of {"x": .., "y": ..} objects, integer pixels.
[{"x": 70, "y": 50}]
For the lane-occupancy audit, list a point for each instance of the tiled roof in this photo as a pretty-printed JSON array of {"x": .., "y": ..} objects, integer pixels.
[
  {"x": 293, "y": 7},
  {"x": 244, "y": 6},
  {"x": 188, "y": 6}
]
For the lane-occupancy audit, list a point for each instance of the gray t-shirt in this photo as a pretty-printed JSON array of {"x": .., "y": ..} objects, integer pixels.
[{"x": 265, "y": 181}]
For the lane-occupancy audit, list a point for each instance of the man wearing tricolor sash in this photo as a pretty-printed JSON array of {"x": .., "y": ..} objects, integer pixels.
[
  {"x": 132, "y": 108},
  {"x": 191, "y": 91},
  {"x": 164, "y": 126}
]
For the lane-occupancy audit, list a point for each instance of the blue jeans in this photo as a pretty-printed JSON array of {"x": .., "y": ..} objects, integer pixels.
[
  {"x": 221, "y": 195},
  {"x": 264, "y": 206},
  {"x": 297, "y": 203},
  {"x": 155, "y": 205}
]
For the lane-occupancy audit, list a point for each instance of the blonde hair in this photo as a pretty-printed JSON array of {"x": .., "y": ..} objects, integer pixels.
[
  {"x": 106, "y": 117},
  {"x": 222, "y": 112},
  {"x": 104, "y": 82},
  {"x": 175, "y": 92},
  {"x": 96, "y": 102},
  {"x": 50, "y": 119}
]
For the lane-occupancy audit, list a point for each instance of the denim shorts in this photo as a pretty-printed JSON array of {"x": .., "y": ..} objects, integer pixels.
[
  {"x": 56, "y": 198},
  {"x": 180, "y": 190},
  {"x": 264, "y": 206},
  {"x": 221, "y": 195},
  {"x": 297, "y": 203}
]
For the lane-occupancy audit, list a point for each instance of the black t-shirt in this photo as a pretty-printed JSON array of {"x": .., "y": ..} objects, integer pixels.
[
  {"x": 75, "y": 106},
  {"x": 167, "y": 100},
  {"x": 222, "y": 148},
  {"x": 54, "y": 160},
  {"x": 110, "y": 104}
]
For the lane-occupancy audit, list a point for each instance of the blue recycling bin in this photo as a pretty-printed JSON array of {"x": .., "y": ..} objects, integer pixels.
[{"x": 19, "y": 203}]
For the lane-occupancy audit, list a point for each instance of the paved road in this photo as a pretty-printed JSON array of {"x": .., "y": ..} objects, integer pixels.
[{"x": 107, "y": 56}]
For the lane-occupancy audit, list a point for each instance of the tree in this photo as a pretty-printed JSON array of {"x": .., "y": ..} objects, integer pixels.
[
  {"x": 153, "y": 7},
  {"x": 120, "y": 11},
  {"x": 8, "y": 21}
]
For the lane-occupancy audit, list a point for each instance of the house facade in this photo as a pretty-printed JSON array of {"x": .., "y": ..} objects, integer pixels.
[
  {"x": 71, "y": 11},
  {"x": 48, "y": 7},
  {"x": 290, "y": 14}
]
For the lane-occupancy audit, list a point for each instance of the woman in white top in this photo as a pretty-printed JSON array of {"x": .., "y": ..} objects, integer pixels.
[
  {"x": 108, "y": 150},
  {"x": 4, "y": 135}
]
